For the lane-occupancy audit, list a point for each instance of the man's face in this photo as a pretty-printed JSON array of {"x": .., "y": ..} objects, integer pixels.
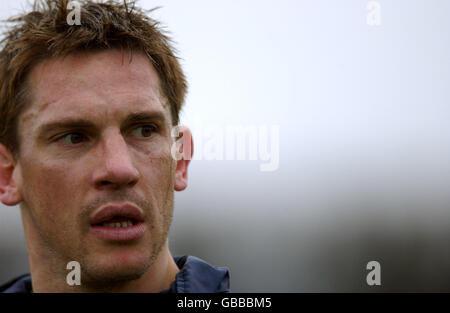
[{"x": 97, "y": 132}]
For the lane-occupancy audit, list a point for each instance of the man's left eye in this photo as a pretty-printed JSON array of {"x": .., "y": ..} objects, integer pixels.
[
  {"x": 73, "y": 138},
  {"x": 144, "y": 131}
]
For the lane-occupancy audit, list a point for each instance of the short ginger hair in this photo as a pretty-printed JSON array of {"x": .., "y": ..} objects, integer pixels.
[{"x": 45, "y": 33}]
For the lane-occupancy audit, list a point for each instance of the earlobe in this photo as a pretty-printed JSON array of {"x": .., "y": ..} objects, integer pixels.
[
  {"x": 187, "y": 150},
  {"x": 9, "y": 192}
]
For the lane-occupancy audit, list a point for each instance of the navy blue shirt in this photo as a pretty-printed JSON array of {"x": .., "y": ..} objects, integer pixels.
[{"x": 195, "y": 276}]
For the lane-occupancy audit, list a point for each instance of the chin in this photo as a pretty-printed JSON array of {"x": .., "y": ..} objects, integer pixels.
[
  {"x": 115, "y": 268},
  {"x": 117, "y": 275}
]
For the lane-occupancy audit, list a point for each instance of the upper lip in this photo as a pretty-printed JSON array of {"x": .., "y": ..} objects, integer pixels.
[{"x": 108, "y": 211}]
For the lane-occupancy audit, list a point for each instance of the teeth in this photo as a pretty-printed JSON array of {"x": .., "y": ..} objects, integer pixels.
[{"x": 122, "y": 224}]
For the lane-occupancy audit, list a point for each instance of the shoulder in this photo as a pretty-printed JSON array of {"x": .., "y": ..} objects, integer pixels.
[{"x": 21, "y": 284}]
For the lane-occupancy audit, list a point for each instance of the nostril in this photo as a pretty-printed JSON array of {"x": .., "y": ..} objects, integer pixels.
[{"x": 105, "y": 183}]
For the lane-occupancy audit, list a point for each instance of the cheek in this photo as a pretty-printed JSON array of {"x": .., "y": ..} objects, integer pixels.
[
  {"x": 157, "y": 179},
  {"x": 160, "y": 149},
  {"x": 49, "y": 188},
  {"x": 158, "y": 171}
]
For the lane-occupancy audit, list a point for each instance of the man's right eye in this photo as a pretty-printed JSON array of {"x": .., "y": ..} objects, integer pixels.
[{"x": 72, "y": 138}]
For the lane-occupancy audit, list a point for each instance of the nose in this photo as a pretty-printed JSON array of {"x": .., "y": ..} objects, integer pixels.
[{"x": 115, "y": 164}]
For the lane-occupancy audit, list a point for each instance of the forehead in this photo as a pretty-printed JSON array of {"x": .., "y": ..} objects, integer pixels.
[{"x": 99, "y": 85}]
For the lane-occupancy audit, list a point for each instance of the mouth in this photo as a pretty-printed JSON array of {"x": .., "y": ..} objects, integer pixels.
[{"x": 115, "y": 222}]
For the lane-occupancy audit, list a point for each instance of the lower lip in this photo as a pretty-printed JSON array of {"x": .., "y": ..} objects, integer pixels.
[{"x": 119, "y": 233}]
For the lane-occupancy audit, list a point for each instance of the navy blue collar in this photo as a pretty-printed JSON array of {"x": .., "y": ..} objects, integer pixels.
[{"x": 195, "y": 276}]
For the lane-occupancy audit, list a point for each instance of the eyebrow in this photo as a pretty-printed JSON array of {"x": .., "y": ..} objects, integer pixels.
[
  {"x": 145, "y": 116},
  {"x": 71, "y": 123}
]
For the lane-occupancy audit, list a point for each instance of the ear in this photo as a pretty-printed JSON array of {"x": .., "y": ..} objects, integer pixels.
[
  {"x": 9, "y": 192},
  {"x": 186, "y": 150}
]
